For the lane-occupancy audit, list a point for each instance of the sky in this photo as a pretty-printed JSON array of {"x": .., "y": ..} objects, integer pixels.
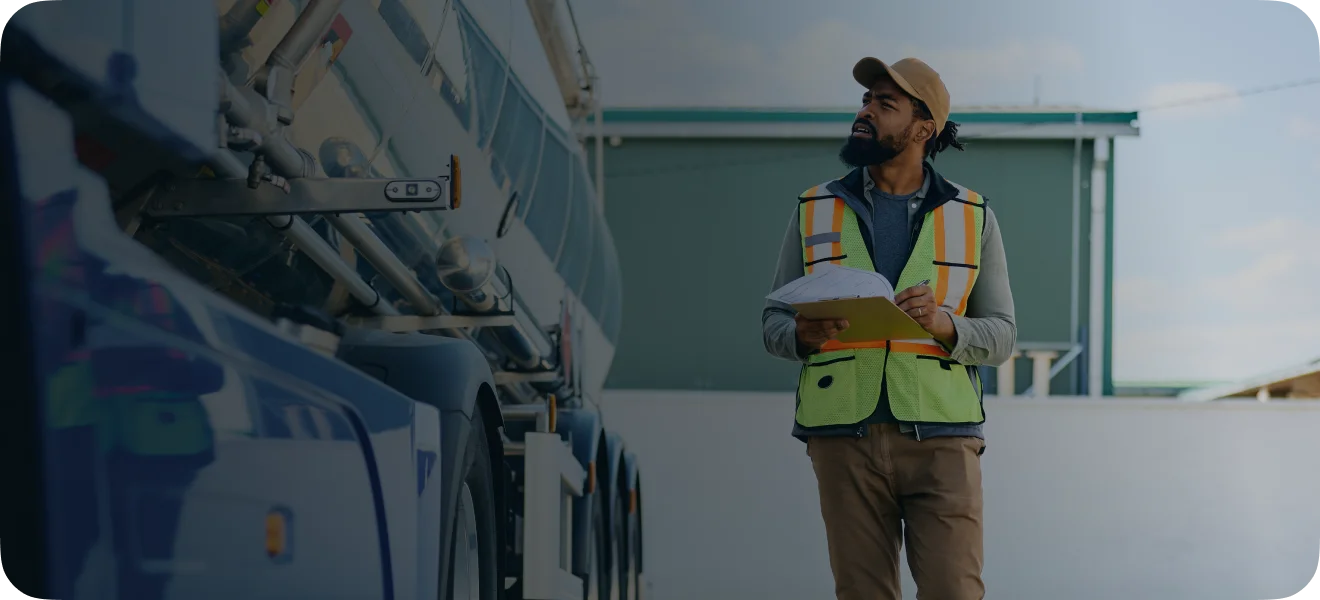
[{"x": 1217, "y": 205}]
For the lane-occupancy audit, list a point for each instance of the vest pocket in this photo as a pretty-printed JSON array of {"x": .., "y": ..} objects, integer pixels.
[
  {"x": 827, "y": 390},
  {"x": 946, "y": 391}
]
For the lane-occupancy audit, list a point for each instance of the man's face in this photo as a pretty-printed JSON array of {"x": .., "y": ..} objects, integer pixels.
[{"x": 884, "y": 128}]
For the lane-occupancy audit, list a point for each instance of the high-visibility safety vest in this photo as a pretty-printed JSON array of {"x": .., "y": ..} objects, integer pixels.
[{"x": 840, "y": 385}]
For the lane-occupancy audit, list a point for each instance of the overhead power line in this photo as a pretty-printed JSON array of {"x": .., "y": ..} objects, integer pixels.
[
  {"x": 1178, "y": 104},
  {"x": 1165, "y": 106},
  {"x": 1231, "y": 95}
]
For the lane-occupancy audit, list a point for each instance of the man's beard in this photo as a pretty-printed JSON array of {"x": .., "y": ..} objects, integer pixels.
[{"x": 866, "y": 152}]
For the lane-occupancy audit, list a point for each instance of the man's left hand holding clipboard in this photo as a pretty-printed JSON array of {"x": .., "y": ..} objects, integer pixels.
[
  {"x": 917, "y": 301},
  {"x": 814, "y": 333}
]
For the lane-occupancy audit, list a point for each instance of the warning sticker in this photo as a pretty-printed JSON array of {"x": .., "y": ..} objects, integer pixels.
[{"x": 337, "y": 37}]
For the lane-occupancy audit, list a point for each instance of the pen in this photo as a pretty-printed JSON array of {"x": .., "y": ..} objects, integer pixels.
[{"x": 923, "y": 282}]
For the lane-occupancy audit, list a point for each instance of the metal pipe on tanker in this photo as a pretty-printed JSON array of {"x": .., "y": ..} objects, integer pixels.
[
  {"x": 522, "y": 346},
  {"x": 246, "y": 108},
  {"x": 237, "y": 23},
  {"x": 312, "y": 24},
  {"x": 386, "y": 262},
  {"x": 277, "y": 77},
  {"x": 306, "y": 239},
  {"x": 324, "y": 256},
  {"x": 468, "y": 268},
  {"x": 291, "y": 161}
]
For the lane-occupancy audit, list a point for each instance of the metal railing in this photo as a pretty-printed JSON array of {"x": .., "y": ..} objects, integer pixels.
[{"x": 1048, "y": 359}]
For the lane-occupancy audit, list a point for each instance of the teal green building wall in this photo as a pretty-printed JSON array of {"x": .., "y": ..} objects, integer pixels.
[{"x": 699, "y": 222}]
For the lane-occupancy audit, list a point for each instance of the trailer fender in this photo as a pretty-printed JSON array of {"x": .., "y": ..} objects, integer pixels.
[
  {"x": 446, "y": 373},
  {"x": 584, "y": 429},
  {"x": 451, "y": 375}
]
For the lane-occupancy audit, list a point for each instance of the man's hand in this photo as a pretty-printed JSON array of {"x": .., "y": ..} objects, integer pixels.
[
  {"x": 919, "y": 303},
  {"x": 814, "y": 334}
]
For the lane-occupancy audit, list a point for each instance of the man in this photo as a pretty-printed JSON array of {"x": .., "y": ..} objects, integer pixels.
[{"x": 894, "y": 429}]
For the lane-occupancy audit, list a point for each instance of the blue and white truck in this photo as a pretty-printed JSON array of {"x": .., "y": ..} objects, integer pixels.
[{"x": 312, "y": 299}]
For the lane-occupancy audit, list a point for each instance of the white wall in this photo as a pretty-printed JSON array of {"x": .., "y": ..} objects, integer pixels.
[{"x": 1084, "y": 500}]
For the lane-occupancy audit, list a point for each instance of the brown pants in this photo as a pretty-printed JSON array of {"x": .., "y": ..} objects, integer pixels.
[{"x": 879, "y": 490}]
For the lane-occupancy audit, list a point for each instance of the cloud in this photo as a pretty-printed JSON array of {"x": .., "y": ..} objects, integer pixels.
[
  {"x": 1280, "y": 277},
  {"x": 708, "y": 62},
  {"x": 1216, "y": 351},
  {"x": 1004, "y": 71},
  {"x": 649, "y": 54},
  {"x": 1228, "y": 324},
  {"x": 1278, "y": 230},
  {"x": 1191, "y": 100},
  {"x": 1304, "y": 128},
  {"x": 1131, "y": 296}
]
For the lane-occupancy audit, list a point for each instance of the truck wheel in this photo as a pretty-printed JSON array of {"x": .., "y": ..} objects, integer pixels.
[
  {"x": 473, "y": 547},
  {"x": 618, "y": 549},
  {"x": 597, "y": 582},
  {"x": 631, "y": 550}
]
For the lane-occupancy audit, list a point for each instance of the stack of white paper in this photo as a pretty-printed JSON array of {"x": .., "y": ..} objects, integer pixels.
[{"x": 831, "y": 282}]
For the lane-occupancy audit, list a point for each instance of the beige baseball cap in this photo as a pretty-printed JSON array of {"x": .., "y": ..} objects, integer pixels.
[{"x": 915, "y": 77}]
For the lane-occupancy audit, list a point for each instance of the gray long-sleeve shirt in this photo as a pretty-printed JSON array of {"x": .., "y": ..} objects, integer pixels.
[{"x": 986, "y": 335}]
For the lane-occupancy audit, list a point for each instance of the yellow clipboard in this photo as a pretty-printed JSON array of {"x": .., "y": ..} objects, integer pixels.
[{"x": 869, "y": 319}]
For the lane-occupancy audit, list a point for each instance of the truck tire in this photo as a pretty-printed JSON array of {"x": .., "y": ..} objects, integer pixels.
[
  {"x": 474, "y": 546},
  {"x": 619, "y": 548},
  {"x": 596, "y": 585},
  {"x": 631, "y": 550}
]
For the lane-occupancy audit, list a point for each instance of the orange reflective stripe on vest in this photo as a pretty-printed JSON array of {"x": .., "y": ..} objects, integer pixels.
[
  {"x": 824, "y": 228},
  {"x": 928, "y": 347},
  {"x": 833, "y": 345},
  {"x": 955, "y": 258}
]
